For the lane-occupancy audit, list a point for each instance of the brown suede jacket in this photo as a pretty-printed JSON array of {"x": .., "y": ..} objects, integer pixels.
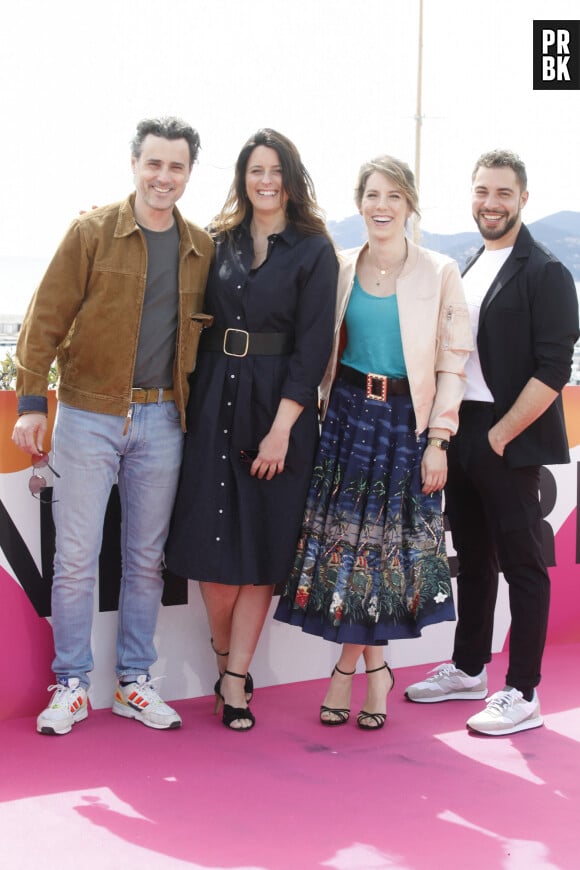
[{"x": 87, "y": 309}]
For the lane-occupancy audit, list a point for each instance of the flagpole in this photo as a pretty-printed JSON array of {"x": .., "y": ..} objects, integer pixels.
[{"x": 418, "y": 120}]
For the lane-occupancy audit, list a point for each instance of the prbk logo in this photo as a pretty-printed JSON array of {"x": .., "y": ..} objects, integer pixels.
[{"x": 557, "y": 55}]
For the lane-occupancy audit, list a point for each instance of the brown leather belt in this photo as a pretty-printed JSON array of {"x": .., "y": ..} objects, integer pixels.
[
  {"x": 152, "y": 395},
  {"x": 378, "y": 387},
  {"x": 239, "y": 342}
]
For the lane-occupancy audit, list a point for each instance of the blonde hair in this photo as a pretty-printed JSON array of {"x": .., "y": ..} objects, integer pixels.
[{"x": 397, "y": 171}]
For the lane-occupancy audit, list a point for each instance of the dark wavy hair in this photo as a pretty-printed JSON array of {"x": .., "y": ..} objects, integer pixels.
[
  {"x": 302, "y": 209},
  {"x": 168, "y": 128}
]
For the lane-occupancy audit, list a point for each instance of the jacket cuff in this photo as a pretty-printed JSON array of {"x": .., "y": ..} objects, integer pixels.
[{"x": 32, "y": 405}]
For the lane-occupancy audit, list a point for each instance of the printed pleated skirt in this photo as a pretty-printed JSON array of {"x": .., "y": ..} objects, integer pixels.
[{"x": 371, "y": 564}]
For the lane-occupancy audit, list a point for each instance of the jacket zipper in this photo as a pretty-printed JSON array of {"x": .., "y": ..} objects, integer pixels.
[{"x": 448, "y": 319}]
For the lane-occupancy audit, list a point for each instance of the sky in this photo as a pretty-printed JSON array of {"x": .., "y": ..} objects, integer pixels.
[{"x": 339, "y": 77}]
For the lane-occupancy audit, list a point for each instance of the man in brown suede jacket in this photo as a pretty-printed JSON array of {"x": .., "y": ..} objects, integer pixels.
[{"x": 120, "y": 308}]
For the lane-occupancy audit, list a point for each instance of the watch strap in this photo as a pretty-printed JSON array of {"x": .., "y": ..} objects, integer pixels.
[{"x": 441, "y": 443}]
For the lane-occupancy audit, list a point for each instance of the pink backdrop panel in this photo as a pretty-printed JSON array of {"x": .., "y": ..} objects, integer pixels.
[
  {"x": 27, "y": 652},
  {"x": 564, "y": 624}
]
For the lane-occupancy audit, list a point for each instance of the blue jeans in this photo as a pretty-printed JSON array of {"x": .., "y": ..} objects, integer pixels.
[{"x": 91, "y": 453}]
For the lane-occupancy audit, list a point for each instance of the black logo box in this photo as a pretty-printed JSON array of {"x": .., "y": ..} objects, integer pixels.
[{"x": 559, "y": 41}]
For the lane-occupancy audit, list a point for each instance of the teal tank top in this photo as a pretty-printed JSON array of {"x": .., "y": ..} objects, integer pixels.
[{"x": 373, "y": 334}]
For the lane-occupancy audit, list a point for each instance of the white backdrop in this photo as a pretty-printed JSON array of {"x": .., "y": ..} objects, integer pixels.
[{"x": 284, "y": 655}]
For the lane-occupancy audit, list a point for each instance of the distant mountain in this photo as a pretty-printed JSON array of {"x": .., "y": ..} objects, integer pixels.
[{"x": 560, "y": 233}]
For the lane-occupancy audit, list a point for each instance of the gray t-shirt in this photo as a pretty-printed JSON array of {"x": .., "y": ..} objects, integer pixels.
[{"x": 156, "y": 347}]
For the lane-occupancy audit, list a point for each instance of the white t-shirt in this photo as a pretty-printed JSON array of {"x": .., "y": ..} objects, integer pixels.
[{"x": 476, "y": 282}]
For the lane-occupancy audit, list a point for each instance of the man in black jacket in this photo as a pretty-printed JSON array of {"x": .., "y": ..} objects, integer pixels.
[{"x": 524, "y": 311}]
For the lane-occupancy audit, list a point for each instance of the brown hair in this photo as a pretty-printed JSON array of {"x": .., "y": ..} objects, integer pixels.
[{"x": 302, "y": 210}]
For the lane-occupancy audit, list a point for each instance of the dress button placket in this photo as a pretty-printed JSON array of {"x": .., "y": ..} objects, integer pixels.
[{"x": 229, "y": 387}]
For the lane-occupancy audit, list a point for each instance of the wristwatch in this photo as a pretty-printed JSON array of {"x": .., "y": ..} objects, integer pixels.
[{"x": 441, "y": 443}]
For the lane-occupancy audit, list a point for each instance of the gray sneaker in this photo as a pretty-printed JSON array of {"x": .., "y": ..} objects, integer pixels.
[
  {"x": 448, "y": 683},
  {"x": 507, "y": 712}
]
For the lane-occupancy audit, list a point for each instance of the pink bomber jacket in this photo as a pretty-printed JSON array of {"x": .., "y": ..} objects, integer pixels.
[{"x": 435, "y": 332}]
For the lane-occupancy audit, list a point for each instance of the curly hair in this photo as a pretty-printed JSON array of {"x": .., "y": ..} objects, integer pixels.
[{"x": 500, "y": 158}]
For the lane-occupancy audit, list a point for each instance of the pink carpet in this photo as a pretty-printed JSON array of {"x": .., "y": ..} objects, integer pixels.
[{"x": 422, "y": 793}]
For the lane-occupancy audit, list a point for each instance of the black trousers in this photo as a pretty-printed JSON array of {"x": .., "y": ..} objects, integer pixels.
[{"x": 495, "y": 519}]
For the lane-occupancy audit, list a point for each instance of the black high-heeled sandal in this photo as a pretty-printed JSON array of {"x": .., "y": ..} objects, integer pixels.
[
  {"x": 342, "y": 713},
  {"x": 379, "y": 719},
  {"x": 235, "y": 714},
  {"x": 217, "y": 689},
  {"x": 248, "y": 685}
]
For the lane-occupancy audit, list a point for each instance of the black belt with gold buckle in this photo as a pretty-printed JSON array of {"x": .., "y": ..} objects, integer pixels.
[
  {"x": 240, "y": 342},
  {"x": 377, "y": 387}
]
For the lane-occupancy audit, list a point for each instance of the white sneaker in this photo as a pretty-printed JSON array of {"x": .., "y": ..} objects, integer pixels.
[
  {"x": 448, "y": 683},
  {"x": 67, "y": 706},
  {"x": 507, "y": 712},
  {"x": 140, "y": 701}
]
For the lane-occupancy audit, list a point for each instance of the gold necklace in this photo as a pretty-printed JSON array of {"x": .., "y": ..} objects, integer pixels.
[{"x": 384, "y": 273}]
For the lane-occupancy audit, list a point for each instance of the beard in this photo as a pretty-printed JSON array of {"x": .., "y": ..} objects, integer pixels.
[{"x": 492, "y": 234}]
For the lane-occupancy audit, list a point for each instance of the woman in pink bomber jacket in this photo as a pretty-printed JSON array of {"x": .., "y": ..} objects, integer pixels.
[{"x": 371, "y": 563}]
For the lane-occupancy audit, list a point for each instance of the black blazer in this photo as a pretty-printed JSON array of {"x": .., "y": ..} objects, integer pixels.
[{"x": 528, "y": 326}]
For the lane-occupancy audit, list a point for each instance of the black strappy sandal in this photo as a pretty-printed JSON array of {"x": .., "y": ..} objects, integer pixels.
[
  {"x": 342, "y": 713},
  {"x": 248, "y": 686},
  {"x": 234, "y": 714},
  {"x": 379, "y": 719}
]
